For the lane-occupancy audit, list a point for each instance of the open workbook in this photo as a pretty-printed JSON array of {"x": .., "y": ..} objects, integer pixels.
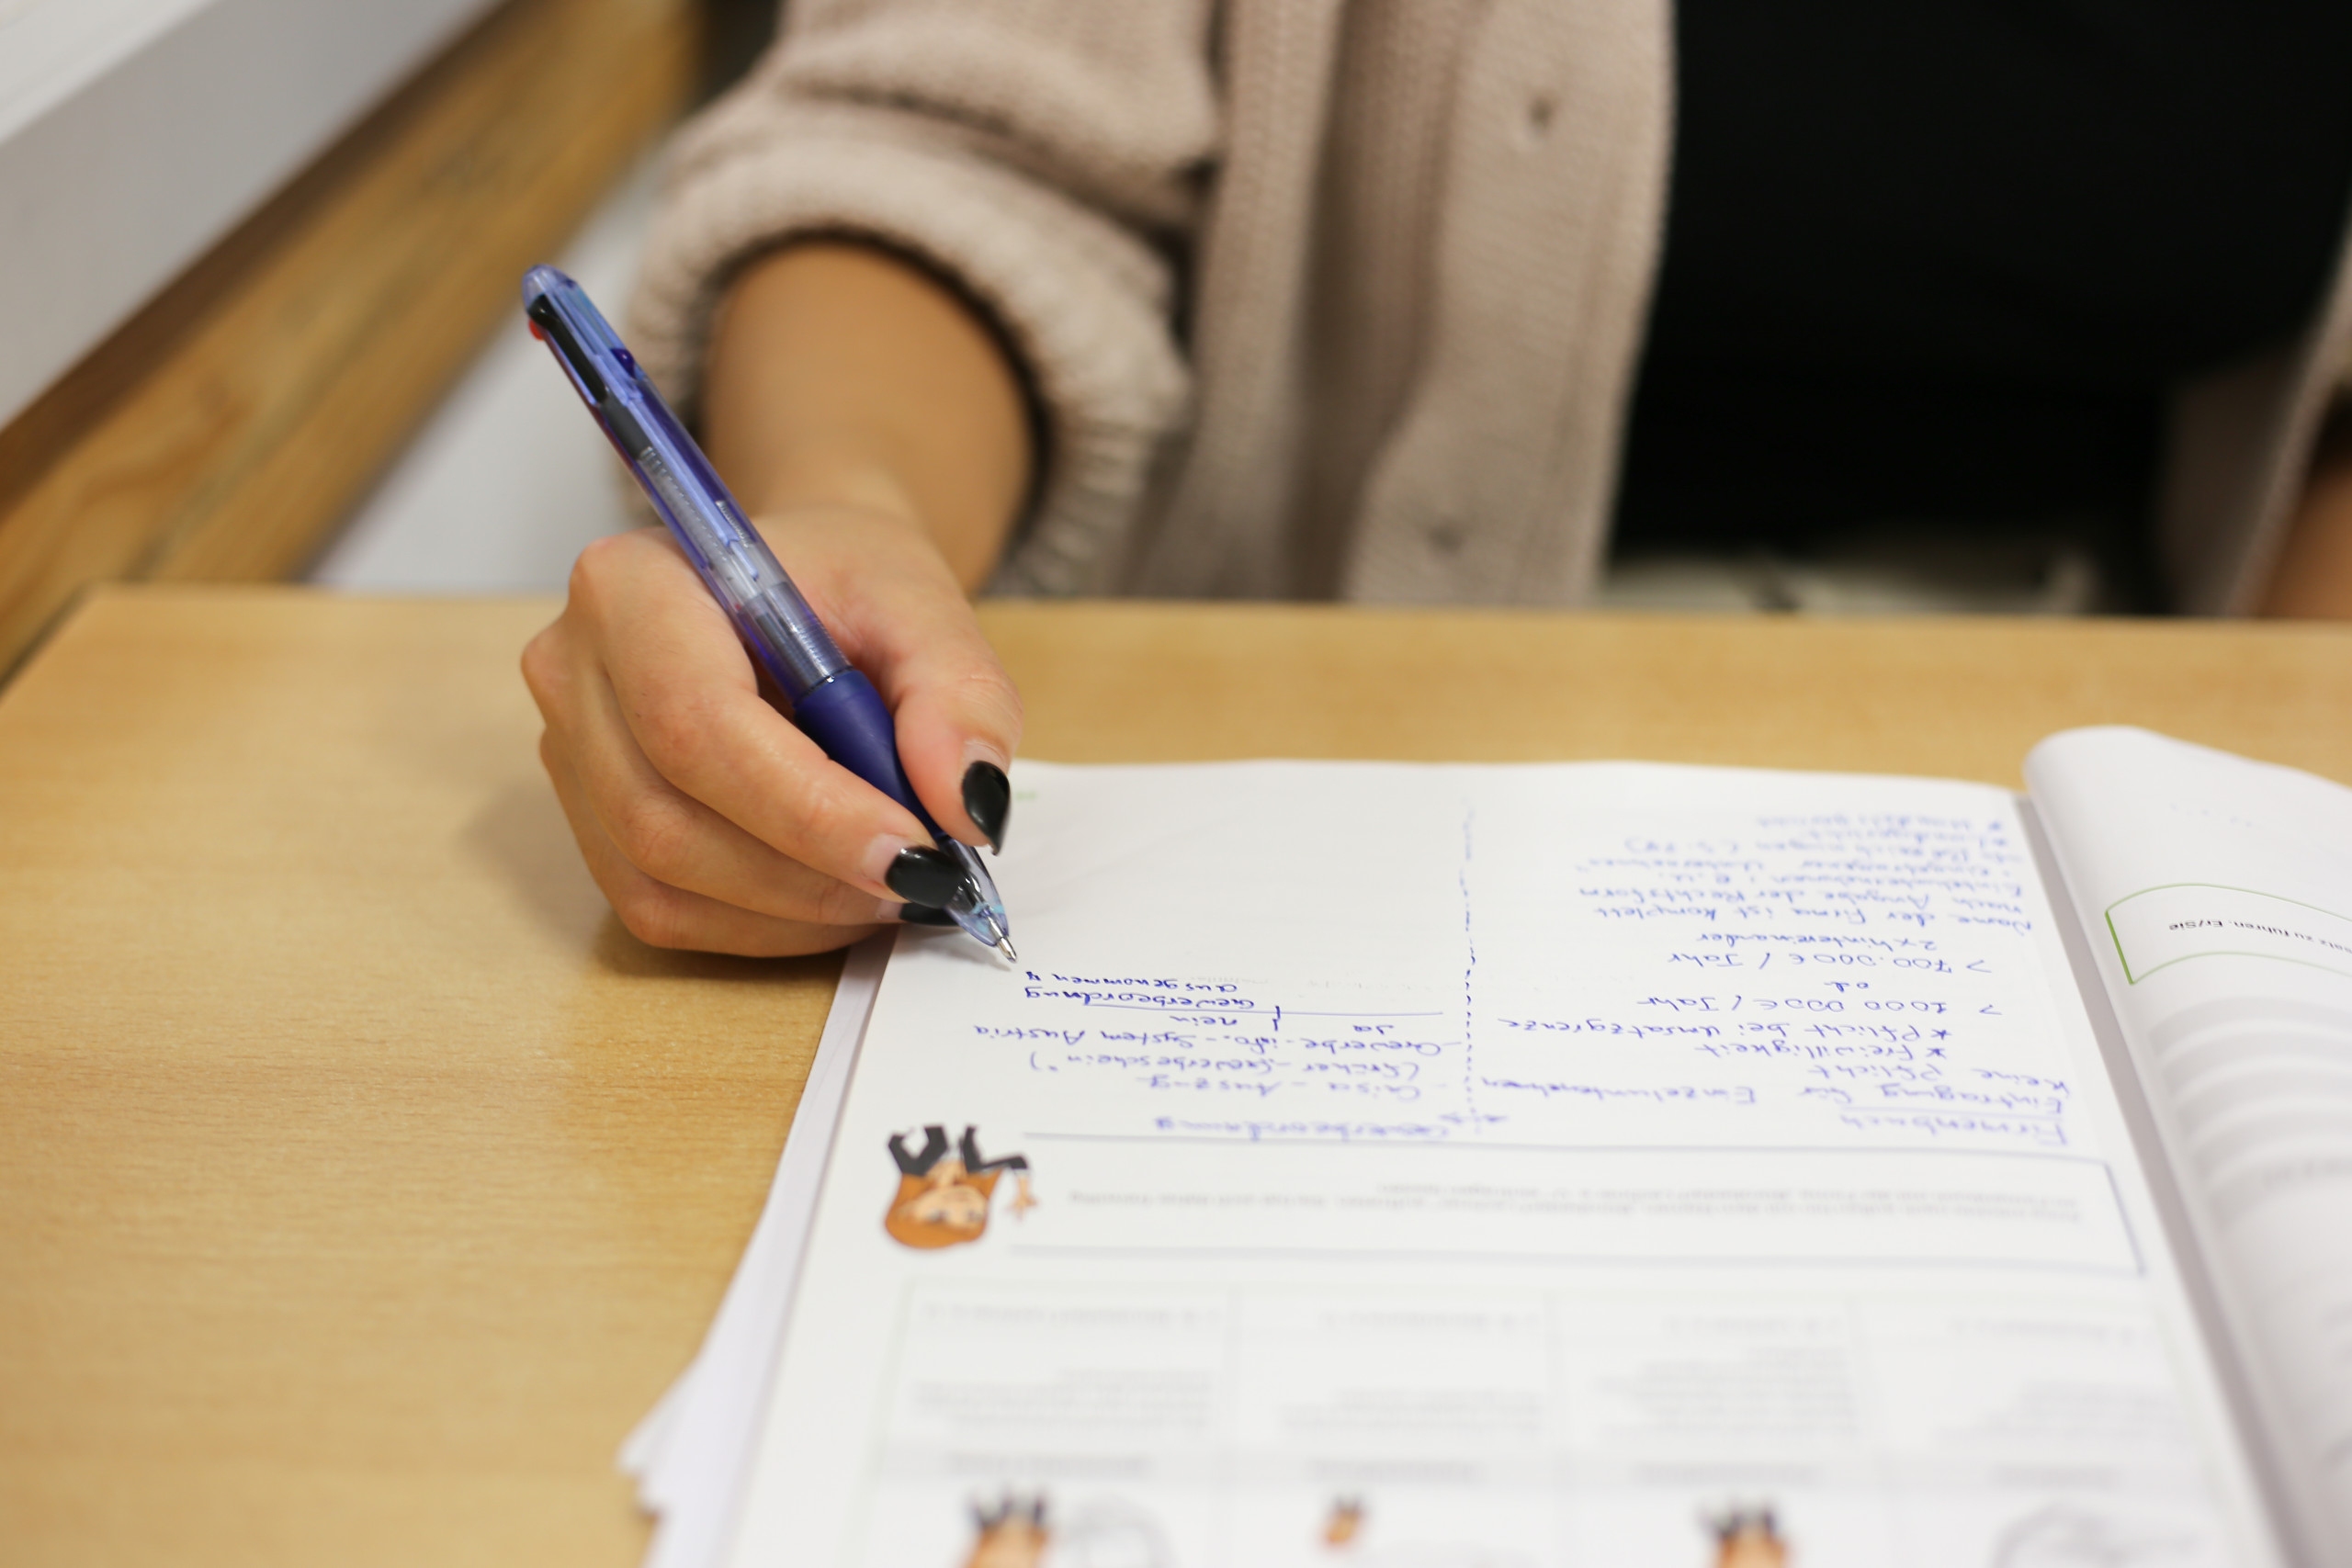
[{"x": 1599, "y": 1163}]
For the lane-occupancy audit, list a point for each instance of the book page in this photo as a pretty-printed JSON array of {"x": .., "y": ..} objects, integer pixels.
[
  {"x": 1390, "y": 1164},
  {"x": 2218, "y": 892}
]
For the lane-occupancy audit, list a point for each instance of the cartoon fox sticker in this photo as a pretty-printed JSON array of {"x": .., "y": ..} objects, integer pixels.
[
  {"x": 1747, "y": 1537},
  {"x": 1011, "y": 1535},
  {"x": 945, "y": 1191}
]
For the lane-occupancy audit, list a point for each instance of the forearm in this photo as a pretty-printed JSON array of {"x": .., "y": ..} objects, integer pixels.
[
  {"x": 2313, "y": 578},
  {"x": 841, "y": 375}
]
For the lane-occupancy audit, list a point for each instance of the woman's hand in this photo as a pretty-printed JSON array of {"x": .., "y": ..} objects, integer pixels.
[
  {"x": 874, "y": 428},
  {"x": 708, "y": 820}
]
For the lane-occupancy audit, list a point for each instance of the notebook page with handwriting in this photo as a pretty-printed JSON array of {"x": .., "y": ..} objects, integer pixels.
[
  {"x": 2219, "y": 894},
  {"x": 1386, "y": 1164}
]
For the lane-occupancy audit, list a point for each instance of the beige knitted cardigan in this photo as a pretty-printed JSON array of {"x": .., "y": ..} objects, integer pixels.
[{"x": 1317, "y": 296}]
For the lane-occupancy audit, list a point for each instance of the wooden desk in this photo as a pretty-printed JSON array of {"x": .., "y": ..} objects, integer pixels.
[{"x": 361, "y": 1181}]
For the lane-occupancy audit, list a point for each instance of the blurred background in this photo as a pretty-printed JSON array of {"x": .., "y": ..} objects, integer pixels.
[
  {"x": 257, "y": 282},
  {"x": 259, "y": 318}
]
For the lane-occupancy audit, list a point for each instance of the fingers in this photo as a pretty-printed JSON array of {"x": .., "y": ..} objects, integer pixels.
[
  {"x": 682, "y": 695},
  {"x": 662, "y": 915},
  {"x": 680, "y": 842}
]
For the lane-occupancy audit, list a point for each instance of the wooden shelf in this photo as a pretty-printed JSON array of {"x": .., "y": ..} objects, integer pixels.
[{"x": 226, "y": 429}]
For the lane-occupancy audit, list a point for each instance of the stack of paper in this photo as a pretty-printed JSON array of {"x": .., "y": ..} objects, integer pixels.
[{"x": 692, "y": 1453}]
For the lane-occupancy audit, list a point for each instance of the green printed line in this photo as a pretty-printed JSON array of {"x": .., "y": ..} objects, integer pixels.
[
  {"x": 2117, "y": 938},
  {"x": 2132, "y": 979}
]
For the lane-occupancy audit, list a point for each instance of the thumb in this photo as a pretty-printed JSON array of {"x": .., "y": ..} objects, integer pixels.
[
  {"x": 959, "y": 722},
  {"x": 902, "y": 619}
]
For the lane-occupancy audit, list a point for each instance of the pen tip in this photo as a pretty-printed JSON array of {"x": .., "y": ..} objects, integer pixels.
[{"x": 1004, "y": 945}]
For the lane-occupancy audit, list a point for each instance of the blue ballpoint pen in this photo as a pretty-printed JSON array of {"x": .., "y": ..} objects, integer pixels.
[{"x": 833, "y": 703}]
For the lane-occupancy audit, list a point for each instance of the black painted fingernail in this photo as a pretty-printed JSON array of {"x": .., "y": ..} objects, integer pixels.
[
  {"x": 924, "y": 875},
  {"x": 916, "y": 915},
  {"x": 987, "y": 797}
]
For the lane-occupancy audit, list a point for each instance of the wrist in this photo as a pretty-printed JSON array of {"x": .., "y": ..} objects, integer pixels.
[{"x": 832, "y": 477}]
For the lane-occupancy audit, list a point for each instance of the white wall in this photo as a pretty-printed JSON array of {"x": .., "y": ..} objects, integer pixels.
[
  {"x": 510, "y": 478},
  {"x": 134, "y": 133}
]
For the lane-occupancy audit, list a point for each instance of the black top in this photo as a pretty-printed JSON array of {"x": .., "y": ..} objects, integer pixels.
[{"x": 1941, "y": 259}]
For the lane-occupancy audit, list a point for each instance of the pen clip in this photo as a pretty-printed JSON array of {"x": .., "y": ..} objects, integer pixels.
[{"x": 550, "y": 327}]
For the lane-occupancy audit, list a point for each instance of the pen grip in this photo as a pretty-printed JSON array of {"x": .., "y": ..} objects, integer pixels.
[{"x": 846, "y": 717}]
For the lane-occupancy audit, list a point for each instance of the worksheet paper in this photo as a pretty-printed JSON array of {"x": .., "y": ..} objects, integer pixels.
[
  {"x": 1603, "y": 1163},
  {"x": 2219, "y": 894},
  {"x": 690, "y": 1453}
]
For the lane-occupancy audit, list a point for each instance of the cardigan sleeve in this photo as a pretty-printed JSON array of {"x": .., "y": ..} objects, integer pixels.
[{"x": 1046, "y": 155}]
